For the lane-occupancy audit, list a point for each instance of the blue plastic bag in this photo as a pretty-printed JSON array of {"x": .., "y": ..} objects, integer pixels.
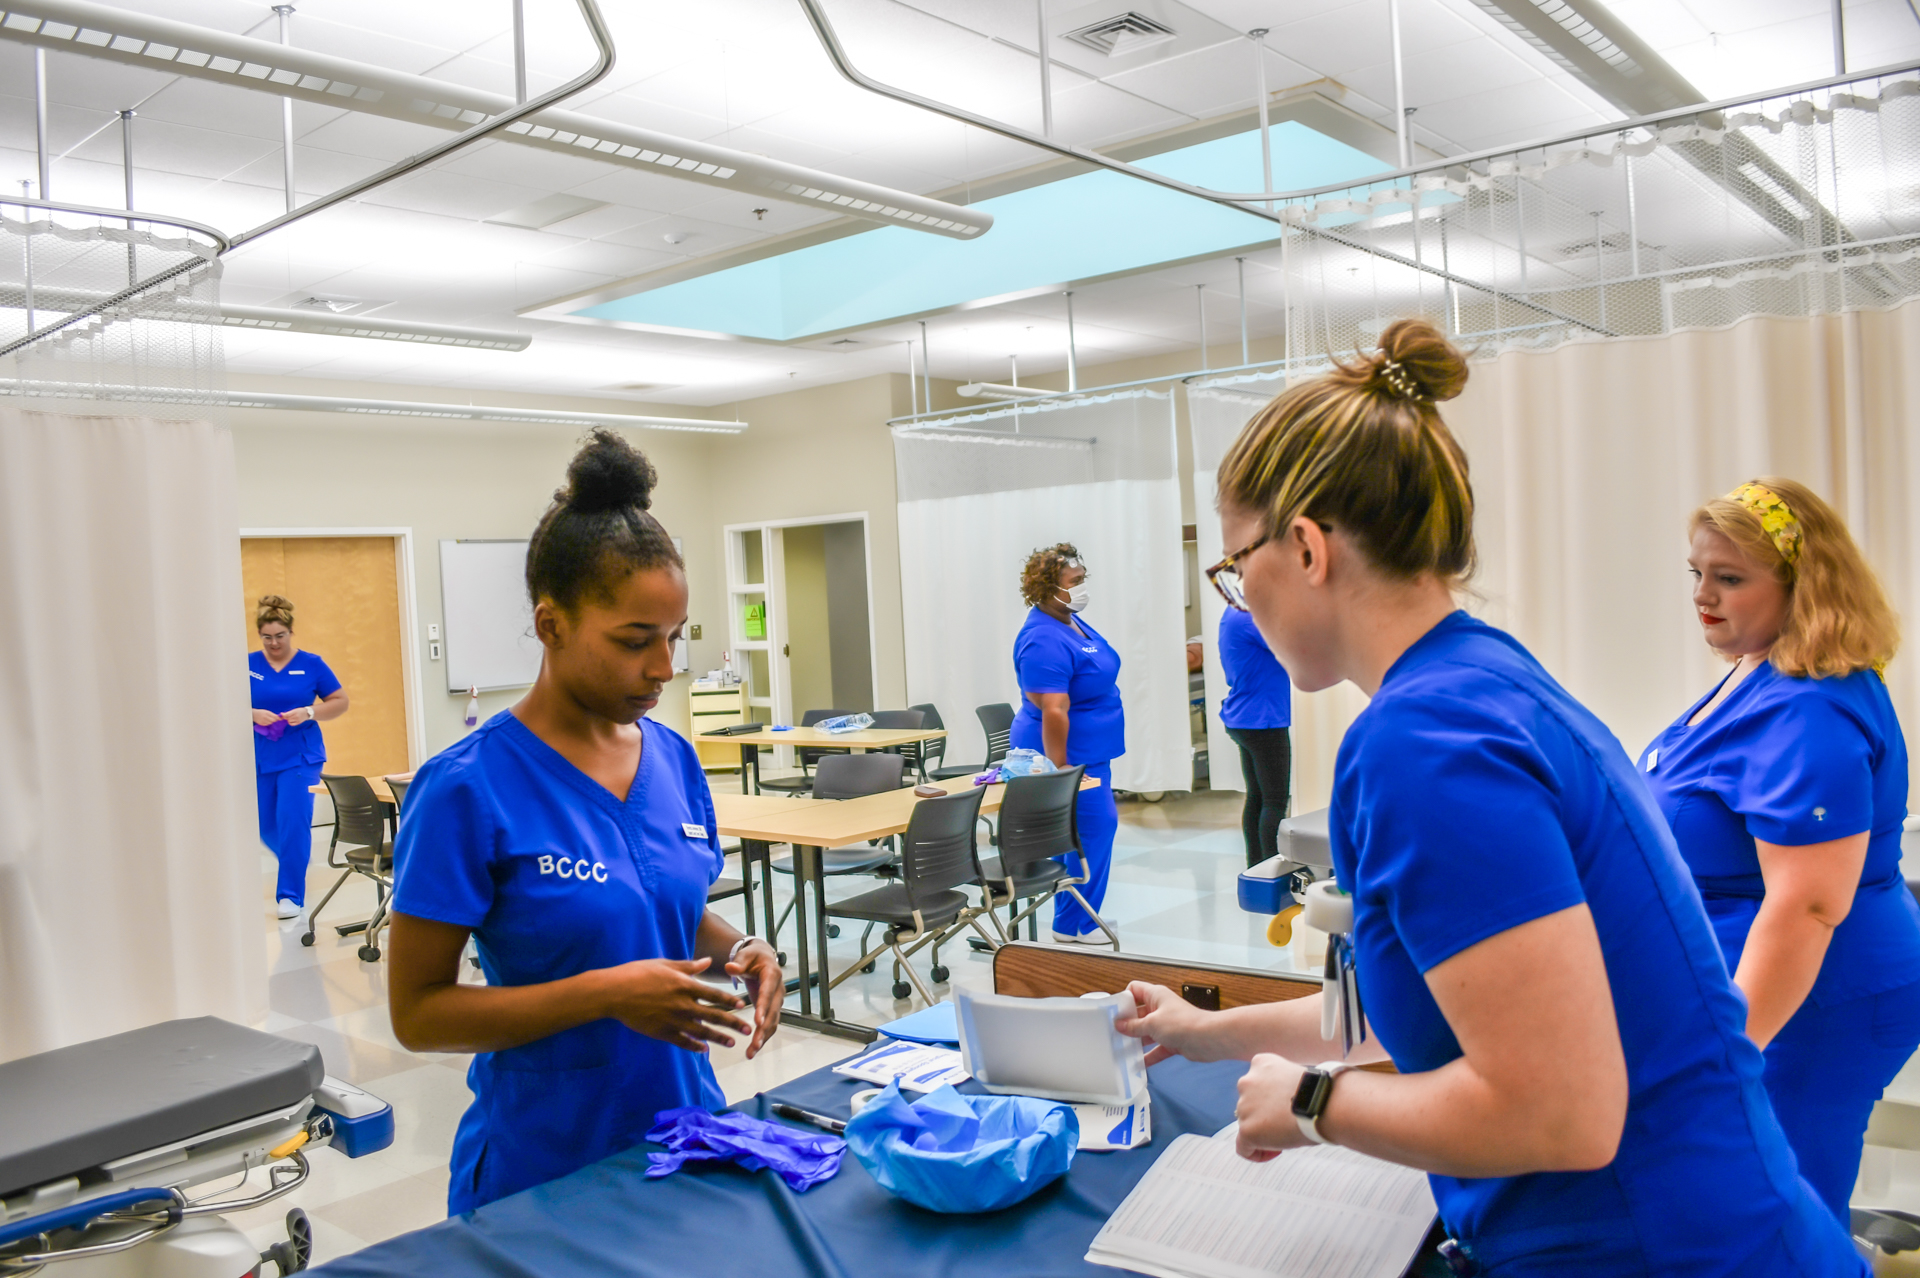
[
  {"x": 845, "y": 723},
  {"x": 959, "y": 1154},
  {"x": 693, "y": 1135}
]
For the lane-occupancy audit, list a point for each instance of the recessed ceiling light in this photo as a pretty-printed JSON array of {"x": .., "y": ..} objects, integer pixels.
[
  {"x": 545, "y": 211},
  {"x": 1122, "y": 34}
]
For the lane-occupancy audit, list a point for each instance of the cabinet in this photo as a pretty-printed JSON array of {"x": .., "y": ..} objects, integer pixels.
[{"x": 711, "y": 706}]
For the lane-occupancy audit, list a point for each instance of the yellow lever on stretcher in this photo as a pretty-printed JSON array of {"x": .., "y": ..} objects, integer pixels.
[
  {"x": 1280, "y": 931},
  {"x": 288, "y": 1146}
]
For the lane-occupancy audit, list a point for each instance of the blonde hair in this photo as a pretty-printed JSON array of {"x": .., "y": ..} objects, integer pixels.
[
  {"x": 1363, "y": 448},
  {"x": 273, "y": 608},
  {"x": 1838, "y": 617}
]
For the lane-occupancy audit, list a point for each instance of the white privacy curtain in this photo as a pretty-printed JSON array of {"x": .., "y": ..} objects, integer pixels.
[
  {"x": 978, "y": 494},
  {"x": 1586, "y": 461},
  {"x": 1218, "y": 410},
  {"x": 129, "y": 864}
]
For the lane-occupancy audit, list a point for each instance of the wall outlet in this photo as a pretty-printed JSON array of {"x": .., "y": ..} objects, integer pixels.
[
  {"x": 433, "y": 651},
  {"x": 693, "y": 630},
  {"x": 433, "y": 630}
]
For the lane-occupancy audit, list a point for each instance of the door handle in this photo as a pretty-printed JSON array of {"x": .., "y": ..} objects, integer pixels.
[{"x": 786, "y": 650}]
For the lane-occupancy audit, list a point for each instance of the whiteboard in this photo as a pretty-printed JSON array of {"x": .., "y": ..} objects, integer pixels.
[
  {"x": 489, "y": 623},
  {"x": 488, "y": 619}
]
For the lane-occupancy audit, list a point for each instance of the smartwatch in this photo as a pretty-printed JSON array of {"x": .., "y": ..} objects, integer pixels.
[{"x": 1311, "y": 1096}]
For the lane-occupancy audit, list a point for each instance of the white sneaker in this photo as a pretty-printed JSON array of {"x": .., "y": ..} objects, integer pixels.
[
  {"x": 287, "y": 909},
  {"x": 1095, "y": 937}
]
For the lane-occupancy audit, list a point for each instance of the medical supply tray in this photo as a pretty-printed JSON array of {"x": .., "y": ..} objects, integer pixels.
[{"x": 67, "y": 1111}]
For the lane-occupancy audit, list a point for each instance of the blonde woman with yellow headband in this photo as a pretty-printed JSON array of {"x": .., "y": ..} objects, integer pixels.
[{"x": 1786, "y": 786}]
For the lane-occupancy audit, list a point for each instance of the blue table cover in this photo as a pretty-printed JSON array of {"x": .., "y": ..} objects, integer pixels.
[{"x": 719, "y": 1221}]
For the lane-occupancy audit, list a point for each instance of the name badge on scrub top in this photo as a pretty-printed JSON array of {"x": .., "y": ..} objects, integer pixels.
[
  {"x": 693, "y": 831},
  {"x": 1653, "y": 758}
]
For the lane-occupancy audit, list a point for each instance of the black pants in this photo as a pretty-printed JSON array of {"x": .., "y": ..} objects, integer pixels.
[{"x": 1266, "y": 763}]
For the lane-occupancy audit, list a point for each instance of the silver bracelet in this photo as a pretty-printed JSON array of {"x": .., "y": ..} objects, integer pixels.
[{"x": 739, "y": 945}]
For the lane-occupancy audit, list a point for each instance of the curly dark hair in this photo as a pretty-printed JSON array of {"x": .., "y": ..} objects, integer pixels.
[
  {"x": 597, "y": 530},
  {"x": 1041, "y": 577}
]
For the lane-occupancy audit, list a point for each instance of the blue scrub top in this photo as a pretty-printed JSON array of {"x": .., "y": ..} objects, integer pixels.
[
  {"x": 1473, "y": 795},
  {"x": 305, "y": 680},
  {"x": 1259, "y": 694},
  {"x": 1051, "y": 656},
  {"x": 1794, "y": 761},
  {"x": 557, "y": 877}
]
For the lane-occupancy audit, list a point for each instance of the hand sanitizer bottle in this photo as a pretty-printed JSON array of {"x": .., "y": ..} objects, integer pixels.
[{"x": 473, "y": 706}]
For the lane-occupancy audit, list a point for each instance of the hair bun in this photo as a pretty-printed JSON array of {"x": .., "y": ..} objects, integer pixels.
[
  {"x": 608, "y": 473},
  {"x": 278, "y": 602},
  {"x": 1435, "y": 367}
]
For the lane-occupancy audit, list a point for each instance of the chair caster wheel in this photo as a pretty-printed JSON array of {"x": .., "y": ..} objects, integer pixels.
[
  {"x": 369, "y": 954},
  {"x": 306, "y": 939},
  {"x": 833, "y": 931},
  {"x": 867, "y": 970},
  {"x": 781, "y": 955},
  {"x": 940, "y": 974},
  {"x": 902, "y": 990}
]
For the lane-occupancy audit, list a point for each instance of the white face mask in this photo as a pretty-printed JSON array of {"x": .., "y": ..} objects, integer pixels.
[{"x": 1077, "y": 598}]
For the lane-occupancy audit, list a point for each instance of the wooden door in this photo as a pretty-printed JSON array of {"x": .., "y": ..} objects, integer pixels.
[{"x": 346, "y": 608}]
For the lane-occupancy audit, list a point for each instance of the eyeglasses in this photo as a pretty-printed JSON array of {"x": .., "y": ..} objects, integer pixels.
[{"x": 1225, "y": 575}]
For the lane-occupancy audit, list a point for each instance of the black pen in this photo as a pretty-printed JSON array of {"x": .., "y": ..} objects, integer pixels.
[{"x": 799, "y": 1115}]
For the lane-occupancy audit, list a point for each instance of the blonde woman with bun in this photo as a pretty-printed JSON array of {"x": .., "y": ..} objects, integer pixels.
[
  {"x": 1786, "y": 787},
  {"x": 292, "y": 692},
  {"x": 1573, "y": 1075}
]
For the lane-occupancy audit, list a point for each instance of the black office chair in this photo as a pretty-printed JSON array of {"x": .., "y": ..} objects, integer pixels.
[
  {"x": 397, "y": 786},
  {"x": 1038, "y": 822},
  {"x": 901, "y": 721},
  {"x": 360, "y": 837},
  {"x": 997, "y": 722},
  {"x": 930, "y": 756},
  {"x": 848, "y": 776},
  {"x": 925, "y": 907},
  {"x": 809, "y": 756}
]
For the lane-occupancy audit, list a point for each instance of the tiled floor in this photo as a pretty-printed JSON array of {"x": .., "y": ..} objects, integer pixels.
[{"x": 1172, "y": 894}]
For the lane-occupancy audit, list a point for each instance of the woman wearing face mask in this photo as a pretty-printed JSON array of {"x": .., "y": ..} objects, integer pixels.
[
  {"x": 1786, "y": 787},
  {"x": 1572, "y": 1071},
  {"x": 1070, "y": 711},
  {"x": 574, "y": 840}
]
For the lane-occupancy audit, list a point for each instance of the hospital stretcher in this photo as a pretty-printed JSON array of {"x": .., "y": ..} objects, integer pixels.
[
  {"x": 1278, "y": 885},
  {"x": 102, "y": 1142}
]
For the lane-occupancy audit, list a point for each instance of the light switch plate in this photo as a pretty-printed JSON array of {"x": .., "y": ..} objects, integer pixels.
[
  {"x": 433, "y": 630},
  {"x": 433, "y": 652},
  {"x": 693, "y": 630}
]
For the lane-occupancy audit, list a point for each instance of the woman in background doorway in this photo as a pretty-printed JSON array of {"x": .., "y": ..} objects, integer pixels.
[
  {"x": 1786, "y": 788},
  {"x": 292, "y": 692},
  {"x": 1070, "y": 711},
  {"x": 1258, "y": 715}
]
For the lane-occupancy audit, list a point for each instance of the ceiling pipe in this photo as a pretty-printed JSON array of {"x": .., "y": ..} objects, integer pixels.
[
  {"x": 160, "y": 44},
  {"x": 364, "y": 407},
  {"x": 995, "y": 390}
]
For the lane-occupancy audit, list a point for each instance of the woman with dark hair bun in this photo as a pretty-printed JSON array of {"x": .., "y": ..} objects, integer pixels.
[
  {"x": 1573, "y": 1073},
  {"x": 574, "y": 840}
]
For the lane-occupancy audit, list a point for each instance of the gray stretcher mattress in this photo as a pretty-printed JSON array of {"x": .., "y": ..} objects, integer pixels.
[{"x": 68, "y": 1110}]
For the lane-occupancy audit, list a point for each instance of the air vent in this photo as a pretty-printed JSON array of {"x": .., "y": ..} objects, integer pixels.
[
  {"x": 332, "y": 303},
  {"x": 1118, "y": 36}
]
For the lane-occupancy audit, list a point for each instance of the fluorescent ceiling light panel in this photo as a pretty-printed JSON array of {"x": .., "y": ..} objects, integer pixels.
[
  {"x": 544, "y": 212},
  {"x": 1090, "y": 226}
]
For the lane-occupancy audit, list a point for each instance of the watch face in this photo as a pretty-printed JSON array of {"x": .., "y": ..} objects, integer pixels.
[{"x": 1310, "y": 1097}]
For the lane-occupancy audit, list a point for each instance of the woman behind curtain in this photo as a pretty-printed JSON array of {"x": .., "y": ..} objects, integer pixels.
[{"x": 1786, "y": 788}]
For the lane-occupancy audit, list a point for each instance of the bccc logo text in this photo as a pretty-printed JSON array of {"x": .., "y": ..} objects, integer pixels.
[{"x": 568, "y": 868}]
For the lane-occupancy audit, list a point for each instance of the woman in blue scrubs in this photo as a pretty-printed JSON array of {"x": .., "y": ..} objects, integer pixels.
[
  {"x": 1070, "y": 711},
  {"x": 292, "y": 692},
  {"x": 1257, "y": 713},
  {"x": 1573, "y": 1071},
  {"x": 574, "y": 840},
  {"x": 1786, "y": 787}
]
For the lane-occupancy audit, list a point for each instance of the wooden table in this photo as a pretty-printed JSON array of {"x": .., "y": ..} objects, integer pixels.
[
  {"x": 379, "y": 783},
  {"x": 811, "y": 826},
  {"x": 813, "y": 738}
]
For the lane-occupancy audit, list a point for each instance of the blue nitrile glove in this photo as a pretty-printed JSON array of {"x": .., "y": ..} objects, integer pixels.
[{"x": 693, "y": 1135}]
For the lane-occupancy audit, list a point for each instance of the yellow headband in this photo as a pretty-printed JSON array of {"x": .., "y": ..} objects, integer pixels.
[{"x": 1776, "y": 517}]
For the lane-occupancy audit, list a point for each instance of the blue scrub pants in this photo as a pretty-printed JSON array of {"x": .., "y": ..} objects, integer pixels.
[
  {"x": 286, "y": 824},
  {"x": 1826, "y": 1068},
  {"x": 1099, "y": 819}
]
